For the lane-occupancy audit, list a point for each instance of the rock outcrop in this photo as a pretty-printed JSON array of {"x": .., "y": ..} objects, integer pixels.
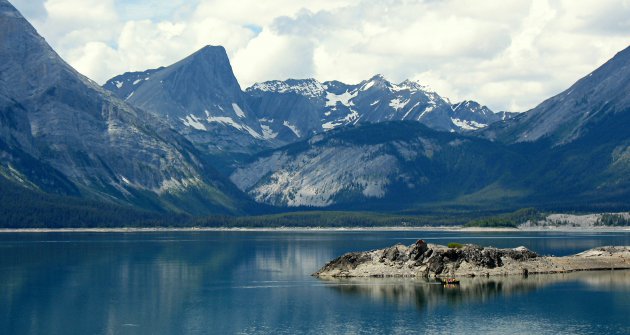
[{"x": 431, "y": 260}]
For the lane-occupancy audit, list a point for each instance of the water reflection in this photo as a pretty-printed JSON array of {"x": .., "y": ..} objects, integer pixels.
[
  {"x": 290, "y": 260},
  {"x": 240, "y": 282},
  {"x": 426, "y": 294}
]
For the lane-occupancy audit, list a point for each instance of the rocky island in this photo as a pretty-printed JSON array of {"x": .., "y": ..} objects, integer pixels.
[{"x": 437, "y": 261}]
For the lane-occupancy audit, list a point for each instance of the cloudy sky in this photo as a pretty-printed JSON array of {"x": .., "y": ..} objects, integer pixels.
[{"x": 507, "y": 54}]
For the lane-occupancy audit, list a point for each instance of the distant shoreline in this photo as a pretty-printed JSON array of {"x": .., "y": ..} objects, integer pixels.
[{"x": 313, "y": 229}]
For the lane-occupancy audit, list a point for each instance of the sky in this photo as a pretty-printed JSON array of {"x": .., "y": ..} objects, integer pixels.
[{"x": 507, "y": 54}]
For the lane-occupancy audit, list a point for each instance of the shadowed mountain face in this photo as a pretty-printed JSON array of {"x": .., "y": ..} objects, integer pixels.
[
  {"x": 61, "y": 132},
  {"x": 583, "y": 110},
  {"x": 200, "y": 98},
  {"x": 579, "y": 138}
]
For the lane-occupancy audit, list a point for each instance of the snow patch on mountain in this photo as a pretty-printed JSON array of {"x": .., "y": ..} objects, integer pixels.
[
  {"x": 332, "y": 99},
  {"x": 331, "y": 125},
  {"x": 268, "y": 133},
  {"x": 374, "y": 100},
  {"x": 352, "y": 116},
  {"x": 293, "y": 128},
  {"x": 226, "y": 120},
  {"x": 239, "y": 112},
  {"x": 367, "y": 86},
  {"x": 467, "y": 124},
  {"x": 398, "y": 103},
  {"x": 193, "y": 122},
  {"x": 308, "y": 87}
]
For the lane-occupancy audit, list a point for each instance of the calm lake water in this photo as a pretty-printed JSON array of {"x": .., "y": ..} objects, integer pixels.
[{"x": 260, "y": 283}]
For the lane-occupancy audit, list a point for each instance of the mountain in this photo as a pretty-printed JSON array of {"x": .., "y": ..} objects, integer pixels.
[
  {"x": 593, "y": 103},
  {"x": 571, "y": 152},
  {"x": 62, "y": 133},
  {"x": 579, "y": 138},
  {"x": 200, "y": 98},
  {"x": 294, "y": 109},
  {"x": 390, "y": 165},
  {"x": 470, "y": 115}
]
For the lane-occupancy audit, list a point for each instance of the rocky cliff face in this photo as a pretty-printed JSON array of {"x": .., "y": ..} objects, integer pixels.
[
  {"x": 200, "y": 98},
  {"x": 61, "y": 119},
  {"x": 392, "y": 164}
]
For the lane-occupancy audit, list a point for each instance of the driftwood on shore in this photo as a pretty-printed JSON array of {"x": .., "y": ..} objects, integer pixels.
[{"x": 431, "y": 260}]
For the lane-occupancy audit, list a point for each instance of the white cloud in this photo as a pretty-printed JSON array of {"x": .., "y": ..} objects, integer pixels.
[
  {"x": 273, "y": 56},
  {"x": 508, "y": 54}
]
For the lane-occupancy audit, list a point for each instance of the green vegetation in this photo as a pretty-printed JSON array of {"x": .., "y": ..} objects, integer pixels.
[
  {"x": 25, "y": 208},
  {"x": 510, "y": 220},
  {"x": 326, "y": 219},
  {"x": 30, "y": 208},
  {"x": 616, "y": 220},
  {"x": 455, "y": 245}
]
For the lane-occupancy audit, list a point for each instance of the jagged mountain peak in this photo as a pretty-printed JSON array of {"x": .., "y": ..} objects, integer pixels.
[
  {"x": 378, "y": 81},
  {"x": 378, "y": 77},
  {"x": 415, "y": 86},
  {"x": 211, "y": 50},
  {"x": 308, "y": 87},
  {"x": 412, "y": 85},
  {"x": 209, "y": 65},
  {"x": 472, "y": 106},
  {"x": 200, "y": 97},
  {"x": 333, "y": 104}
]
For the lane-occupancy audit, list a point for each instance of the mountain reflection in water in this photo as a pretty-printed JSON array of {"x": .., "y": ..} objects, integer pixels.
[
  {"x": 260, "y": 283},
  {"x": 427, "y": 294}
]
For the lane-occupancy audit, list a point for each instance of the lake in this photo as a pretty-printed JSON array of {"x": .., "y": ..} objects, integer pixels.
[{"x": 244, "y": 282}]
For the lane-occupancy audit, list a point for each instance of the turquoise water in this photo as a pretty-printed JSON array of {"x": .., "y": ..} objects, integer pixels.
[{"x": 260, "y": 283}]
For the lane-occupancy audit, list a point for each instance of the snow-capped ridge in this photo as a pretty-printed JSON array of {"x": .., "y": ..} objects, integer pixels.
[
  {"x": 373, "y": 100},
  {"x": 306, "y": 87}
]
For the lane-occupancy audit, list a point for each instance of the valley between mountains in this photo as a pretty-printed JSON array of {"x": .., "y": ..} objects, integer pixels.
[{"x": 187, "y": 140}]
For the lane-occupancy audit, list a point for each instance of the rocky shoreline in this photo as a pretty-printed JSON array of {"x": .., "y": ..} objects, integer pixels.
[{"x": 434, "y": 261}]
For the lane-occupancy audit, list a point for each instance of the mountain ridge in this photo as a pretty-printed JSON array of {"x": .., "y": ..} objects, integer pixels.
[
  {"x": 308, "y": 106},
  {"x": 299, "y": 144},
  {"x": 58, "y": 123},
  {"x": 206, "y": 104},
  {"x": 565, "y": 116},
  {"x": 199, "y": 97}
]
